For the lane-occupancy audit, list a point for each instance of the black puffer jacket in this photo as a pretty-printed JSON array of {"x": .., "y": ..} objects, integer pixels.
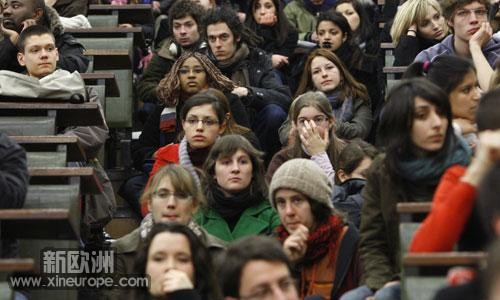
[
  {"x": 264, "y": 87},
  {"x": 71, "y": 56},
  {"x": 13, "y": 173},
  {"x": 347, "y": 198}
]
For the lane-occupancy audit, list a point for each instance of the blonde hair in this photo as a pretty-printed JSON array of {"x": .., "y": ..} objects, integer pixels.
[{"x": 411, "y": 12}]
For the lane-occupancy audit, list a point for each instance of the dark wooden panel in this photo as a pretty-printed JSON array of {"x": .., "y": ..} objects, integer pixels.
[
  {"x": 67, "y": 114},
  {"x": 50, "y": 143},
  {"x": 131, "y": 13},
  {"x": 52, "y": 223},
  {"x": 106, "y": 79}
]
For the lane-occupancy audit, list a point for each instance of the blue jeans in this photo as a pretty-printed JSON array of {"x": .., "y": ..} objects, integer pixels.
[
  {"x": 392, "y": 292},
  {"x": 265, "y": 125}
]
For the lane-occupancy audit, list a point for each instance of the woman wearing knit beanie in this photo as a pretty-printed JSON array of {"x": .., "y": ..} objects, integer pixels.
[{"x": 316, "y": 239}]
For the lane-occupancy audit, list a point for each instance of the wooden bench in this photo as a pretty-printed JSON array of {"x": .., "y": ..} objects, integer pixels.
[
  {"x": 89, "y": 182},
  {"x": 45, "y": 159},
  {"x": 51, "y": 223},
  {"x": 395, "y": 70},
  {"x": 425, "y": 273},
  {"x": 17, "y": 265},
  {"x": 387, "y": 46},
  {"x": 67, "y": 114},
  {"x": 110, "y": 32},
  {"x": 131, "y": 13},
  {"x": 448, "y": 259},
  {"x": 106, "y": 79},
  {"x": 413, "y": 207},
  {"x": 72, "y": 144},
  {"x": 31, "y": 125}
]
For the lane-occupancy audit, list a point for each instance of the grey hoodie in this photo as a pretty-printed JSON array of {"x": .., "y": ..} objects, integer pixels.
[{"x": 491, "y": 50}]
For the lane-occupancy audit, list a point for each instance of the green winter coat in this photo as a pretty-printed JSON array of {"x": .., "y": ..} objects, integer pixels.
[
  {"x": 259, "y": 219},
  {"x": 301, "y": 18}
]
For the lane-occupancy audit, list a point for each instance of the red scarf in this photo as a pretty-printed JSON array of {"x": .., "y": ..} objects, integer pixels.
[{"x": 320, "y": 240}]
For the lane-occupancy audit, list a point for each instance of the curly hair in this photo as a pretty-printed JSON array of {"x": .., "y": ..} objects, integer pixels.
[
  {"x": 185, "y": 8},
  {"x": 169, "y": 89},
  {"x": 230, "y": 17}
]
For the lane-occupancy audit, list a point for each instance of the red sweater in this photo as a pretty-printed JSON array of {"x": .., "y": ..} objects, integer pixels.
[{"x": 452, "y": 205}]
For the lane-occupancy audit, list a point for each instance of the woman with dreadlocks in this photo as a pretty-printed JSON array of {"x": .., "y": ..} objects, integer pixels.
[{"x": 192, "y": 72}]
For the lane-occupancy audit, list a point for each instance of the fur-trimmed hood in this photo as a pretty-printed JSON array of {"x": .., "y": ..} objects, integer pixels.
[{"x": 51, "y": 20}]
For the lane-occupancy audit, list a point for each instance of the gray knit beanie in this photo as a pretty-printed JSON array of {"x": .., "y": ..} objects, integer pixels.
[{"x": 304, "y": 176}]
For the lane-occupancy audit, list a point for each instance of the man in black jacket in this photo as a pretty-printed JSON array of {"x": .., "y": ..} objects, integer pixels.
[
  {"x": 20, "y": 14},
  {"x": 13, "y": 173},
  {"x": 266, "y": 99}
]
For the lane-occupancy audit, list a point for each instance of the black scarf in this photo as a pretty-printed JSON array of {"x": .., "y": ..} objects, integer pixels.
[{"x": 233, "y": 206}]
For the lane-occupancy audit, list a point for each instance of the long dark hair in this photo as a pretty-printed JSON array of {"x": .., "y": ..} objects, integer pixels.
[
  {"x": 446, "y": 71},
  {"x": 281, "y": 28},
  {"x": 396, "y": 121},
  {"x": 169, "y": 89},
  {"x": 366, "y": 30},
  {"x": 204, "y": 275},
  {"x": 226, "y": 146},
  {"x": 219, "y": 104},
  {"x": 348, "y": 86}
]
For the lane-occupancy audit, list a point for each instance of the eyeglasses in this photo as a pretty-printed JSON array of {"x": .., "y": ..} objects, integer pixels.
[
  {"x": 195, "y": 70},
  {"x": 193, "y": 122},
  {"x": 318, "y": 120},
  {"x": 166, "y": 194},
  {"x": 466, "y": 13},
  {"x": 286, "y": 285}
]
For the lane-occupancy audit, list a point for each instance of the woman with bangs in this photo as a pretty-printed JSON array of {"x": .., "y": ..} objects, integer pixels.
[
  {"x": 279, "y": 37},
  {"x": 335, "y": 34},
  {"x": 178, "y": 266},
  {"x": 364, "y": 33},
  {"x": 191, "y": 73},
  {"x": 418, "y": 25},
  {"x": 348, "y": 98},
  {"x": 457, "y": 76},
  {"x": 236, "y": 193},
  {"x": 172, "y": 197},
  {"x": 416, "y": 134},
  {"x": 312, "y": 135}
]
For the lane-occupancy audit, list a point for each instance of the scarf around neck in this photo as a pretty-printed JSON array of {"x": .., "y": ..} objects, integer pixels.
[
  {"x": 147, "y": 224},
  {"x": 424, "y": 173},
  {"x": 185, "y": 155},
  {"x": 230, "y": 207},
  {"x": 232, "y": 67},
  {"x": 323, "y": 238},
  {"x": 342, "y": 109}
]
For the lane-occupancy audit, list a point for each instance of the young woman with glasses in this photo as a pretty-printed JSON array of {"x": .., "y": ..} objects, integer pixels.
[
  {"x": 312, "y": 134},
  {"x": 171, "y": 196},
  {"x": 236, "y": 191},
  {"x": 191, "y": 73}
]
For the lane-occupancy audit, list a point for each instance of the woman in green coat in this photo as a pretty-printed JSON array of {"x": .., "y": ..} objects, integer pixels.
[{"x": 235, "y": 191}]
